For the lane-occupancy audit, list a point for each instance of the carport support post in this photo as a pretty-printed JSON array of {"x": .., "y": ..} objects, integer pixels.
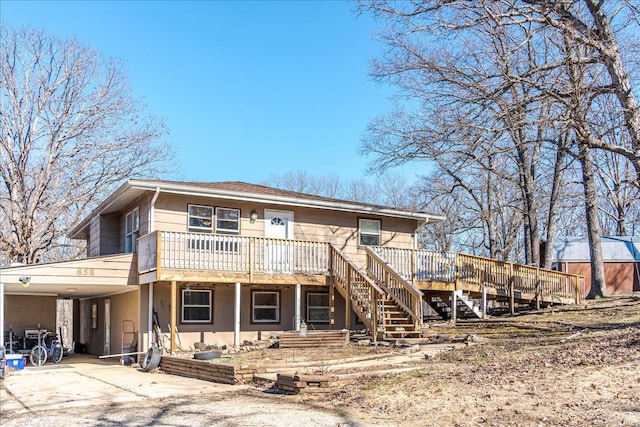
[
  {"x": 172, "y": 317},
  {"x": 1, "y": 313},
  {"x": 296, "y": 322},
  {"x": 150, "y": 318},
  {"x": 236, "y": 317}
]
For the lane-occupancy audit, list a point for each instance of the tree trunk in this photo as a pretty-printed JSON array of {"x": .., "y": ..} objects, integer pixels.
[
  {"x": 598, "y": 285},
  {"x": 558, "y": 169}
]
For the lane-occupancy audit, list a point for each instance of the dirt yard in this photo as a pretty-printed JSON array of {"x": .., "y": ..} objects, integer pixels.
[{"x": 573, "y": 366}]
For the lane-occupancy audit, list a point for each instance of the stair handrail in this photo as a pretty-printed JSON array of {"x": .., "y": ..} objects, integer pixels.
[
  {"x": 413, "y": 304},
  {"x": 378, "y": 293}
]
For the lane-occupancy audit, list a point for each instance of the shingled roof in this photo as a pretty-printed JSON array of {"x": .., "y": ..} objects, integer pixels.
[
  {"x": 245, "y": 187},
  {"x": 235, "y": 190}
]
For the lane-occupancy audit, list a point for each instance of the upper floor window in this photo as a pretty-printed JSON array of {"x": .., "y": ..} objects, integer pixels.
[
  {"x": 227, "y": 220},
  {"x": 131, "y": 230},
  {"x": 369, "y": 230},
  {"x": 200, "y": 219}
]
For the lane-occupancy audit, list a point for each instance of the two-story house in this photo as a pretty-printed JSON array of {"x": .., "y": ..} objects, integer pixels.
[{"x": 217, "y": 262}]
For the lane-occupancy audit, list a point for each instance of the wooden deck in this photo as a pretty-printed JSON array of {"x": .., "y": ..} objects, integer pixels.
[
  {"x": 387, "y": 294},
  {"x": 448, "y": 272}
]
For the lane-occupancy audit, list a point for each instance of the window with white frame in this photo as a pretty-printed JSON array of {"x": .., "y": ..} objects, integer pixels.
[
  {"x": 265, "y": 307},
  {"x": 131, "y": 230},
  {"x": 369, "y": 230},
  {"x": 317, "y": 307},
  {"x": 197, "y": 306},
  {"x": 200, "y": 219},
  {"x": 227, "y": 221}
]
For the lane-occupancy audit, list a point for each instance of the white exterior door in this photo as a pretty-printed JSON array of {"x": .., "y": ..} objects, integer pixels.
[
  {"x": 278, "y": 254},
  {"x": 107, "y": 327}
]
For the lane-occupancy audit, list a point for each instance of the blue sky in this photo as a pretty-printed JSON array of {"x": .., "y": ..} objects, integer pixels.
[{"x": 247, "y": 89}]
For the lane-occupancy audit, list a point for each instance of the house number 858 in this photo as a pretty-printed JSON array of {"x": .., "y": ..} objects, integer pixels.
[{"x": 84, "y": 272}]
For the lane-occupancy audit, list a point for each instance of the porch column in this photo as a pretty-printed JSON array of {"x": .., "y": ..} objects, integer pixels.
[
  {"x": 172, "y": 317},
  {"x": 484, "y": 302},
  {"x": 150, "y": 315},
  {"x": 297, "y": 318},
  {"x": 454, "y": 306},
  {"x": 236, "y": 317}
]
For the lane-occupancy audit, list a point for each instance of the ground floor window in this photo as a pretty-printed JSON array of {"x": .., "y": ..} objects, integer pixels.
[
  {"x": 317, "y": 307},
  {"x": 197, "y": 306},
  {"x": 265, "y": 306}
]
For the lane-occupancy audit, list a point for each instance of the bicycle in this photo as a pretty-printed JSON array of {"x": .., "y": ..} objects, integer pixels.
[{"x": 40, "y": 352}]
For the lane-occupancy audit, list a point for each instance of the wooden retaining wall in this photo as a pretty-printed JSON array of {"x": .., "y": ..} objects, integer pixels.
[
  {"x": 205, "y": 370},
  {"x": 314, "y": 339}
]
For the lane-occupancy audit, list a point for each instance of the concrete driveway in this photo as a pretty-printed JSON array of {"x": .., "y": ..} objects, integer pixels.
[{"x": 81, "y": 380}]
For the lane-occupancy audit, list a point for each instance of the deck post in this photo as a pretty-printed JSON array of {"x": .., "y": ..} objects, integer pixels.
[
  {"x": 413, "y": 266},
  {"x": 332, "y": 307},
  {"x": 484, "y": 302},
  {"x": 454, "y": 306},
  {"x": 347, "y": 308},
  {"x": 236, "y": 317},
  {"x": 512, "y": 295},
  {"x": 538, "y": 289},
  {"x": 297, "y": 318},
  {"x": 252, "y": 255},
  {"x": 172, "y": 317},
  {"x": 374, "y": 315}
]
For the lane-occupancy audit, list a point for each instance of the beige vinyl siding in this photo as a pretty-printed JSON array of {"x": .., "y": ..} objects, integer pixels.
[
  {"x": 171, "y": 213},
  {"x": 27, "y": 311},
  {"x": 339, "y": 228}
]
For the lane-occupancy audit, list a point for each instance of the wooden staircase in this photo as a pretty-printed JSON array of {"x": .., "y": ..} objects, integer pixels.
[
  {"x": 364, "y": 296},
  {"x": 386, "y": 309},
  {"x": 397, "y": 323},
  {"x": 466, "y": 307}
]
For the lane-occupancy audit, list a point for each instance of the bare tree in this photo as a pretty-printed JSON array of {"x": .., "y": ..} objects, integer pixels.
[
  {"x": 302, "y": 182},
  {"x": 71, "y": 131},
  {"x": 474, "y": 106},
  {"x": 385, "y": 189},
  {"x": 595, "y": 26}
]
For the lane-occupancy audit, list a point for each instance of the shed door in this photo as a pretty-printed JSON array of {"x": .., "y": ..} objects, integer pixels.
[{"x": 278, "y": 254}]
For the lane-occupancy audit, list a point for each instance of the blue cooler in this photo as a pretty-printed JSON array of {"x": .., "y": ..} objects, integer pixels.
[{"x": 15, "y": 361}]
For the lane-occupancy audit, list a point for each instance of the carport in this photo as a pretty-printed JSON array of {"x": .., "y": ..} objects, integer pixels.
[{"x": 104, "y": 290}]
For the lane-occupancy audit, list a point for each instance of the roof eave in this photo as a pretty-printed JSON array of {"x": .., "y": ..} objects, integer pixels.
[{"x": 291, "y": 201}]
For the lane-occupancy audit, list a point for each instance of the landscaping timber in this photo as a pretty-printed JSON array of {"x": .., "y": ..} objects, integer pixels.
[
  {"x": 314, "y": 339},
  {"x": 205, "y": 370},
  {"x": 300, "y": 383}
]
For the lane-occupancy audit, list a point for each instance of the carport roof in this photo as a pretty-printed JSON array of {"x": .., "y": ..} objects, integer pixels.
[{"x": 83, "y": 278}]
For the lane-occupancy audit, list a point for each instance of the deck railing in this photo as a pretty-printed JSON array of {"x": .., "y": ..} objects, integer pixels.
[
  {"x": 435, "y": 266},
  {"x": 237, "y": 254},
  {"x": 354, "y": 285},
  {"x": 199, "y": 251},
  {"x": 397, "y": 287}
]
